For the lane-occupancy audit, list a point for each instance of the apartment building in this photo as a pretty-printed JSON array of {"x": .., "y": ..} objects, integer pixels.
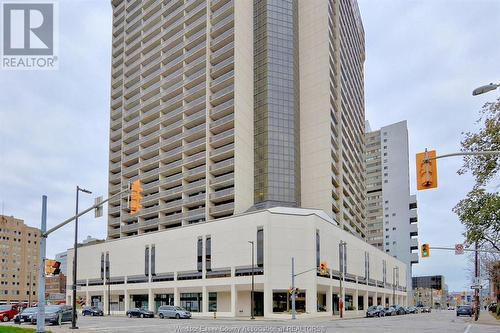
[
  {"x": 19, "y": 256},
  {"x": 210, "y": 111},
  {"x": 392, "y": 223},
  {"x": 332, "y": 112}
]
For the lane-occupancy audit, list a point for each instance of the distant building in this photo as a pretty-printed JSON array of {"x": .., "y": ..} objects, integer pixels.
[
  {"x": 391, "y": 212},
  {"x": 430, "y": 291},
  {"x": 55, "y": 286},
  {"x": 19, "y": 252}
]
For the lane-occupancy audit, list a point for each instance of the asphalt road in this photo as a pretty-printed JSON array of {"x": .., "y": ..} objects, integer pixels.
[{"x": 442, "y": 322}]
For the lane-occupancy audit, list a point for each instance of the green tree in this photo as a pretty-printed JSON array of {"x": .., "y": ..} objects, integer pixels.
[
  {"x": 483, "y": 167},
  {"x": 479, "y": 212}
]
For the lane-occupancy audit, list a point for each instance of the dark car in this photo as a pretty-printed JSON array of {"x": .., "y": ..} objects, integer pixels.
[
  {"x": 492, "y": 307},
  {"x": 56, "y": 314},
  {"x": 140, "y": 313},
  {"x": 92, "y": 311},
  {"x": 464, "y": 310},
  {"x": 25, "y": 315},
  {"x": 375, "y": 311},
  {"x": 7, "y": 312},
  {"x": 390, "y": 311},
  {"x": 399, "y": 309}
]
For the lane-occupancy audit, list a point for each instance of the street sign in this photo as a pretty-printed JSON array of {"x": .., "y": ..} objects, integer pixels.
[
  {"x": 476, "y": 286},
  {"x": 459, "y": 248},
  {"x": 98, "y": 210}
]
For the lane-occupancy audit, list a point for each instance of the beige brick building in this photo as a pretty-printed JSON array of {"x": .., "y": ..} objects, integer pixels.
[{"x": 19, "y": 252}]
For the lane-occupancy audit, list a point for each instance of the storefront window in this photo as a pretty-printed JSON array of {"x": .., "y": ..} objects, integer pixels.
[
  {"x": 191, "y": 302},
  {"x": 212, "y": 302}
]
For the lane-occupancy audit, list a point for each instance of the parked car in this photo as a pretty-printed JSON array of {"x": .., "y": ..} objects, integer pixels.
[
  {"x": 426, "y": 309},
  {"x": 92, "y": 311},
  {"x": 492, "y": 307},
  {"x": 375, "y": 311},
  {"x": 25, "y": 315},
  {"x": 464, "y": 310},
  {"x": 411, "y": 309},
  {"x": 7, "y": 312},
  {"x": 170, "y": 311},
  {"x": 140, "y": 313},
  {"x": 399, "y": 309},
  {"x": 56, "y": 314},
  {"x": 390, "y": 311}
]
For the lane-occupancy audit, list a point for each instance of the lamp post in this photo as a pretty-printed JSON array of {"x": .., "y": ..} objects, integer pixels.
[
  {"x": 485, "y": 89},
  {"x": 253, "y": 284},
  {"x": 75, "y": 256}
]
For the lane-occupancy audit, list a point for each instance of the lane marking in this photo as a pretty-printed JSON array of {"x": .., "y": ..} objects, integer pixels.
[{"x": 468, "y": 328}]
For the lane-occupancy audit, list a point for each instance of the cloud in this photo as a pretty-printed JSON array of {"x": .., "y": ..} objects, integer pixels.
[{"x": 423, "y": 60}]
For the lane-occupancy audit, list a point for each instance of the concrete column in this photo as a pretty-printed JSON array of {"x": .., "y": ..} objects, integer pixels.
[
  {"x": 151, "y": 300},
  {"x": 329, "y": 302},
  {"x": 234, "y": 300},
  {"x": 204, "y": 300},
  {"x": 355, "y": 299},
  {"x": 268, "y": 300},
  {"x": 365, "y": 301},
  {"x": 375, "y": 296},
  {"x": 177, "y": 297},
  {"x": 312, "y": 299},
  {"x": 105, "y": 300},
  {"x": 126, "y": 299}
]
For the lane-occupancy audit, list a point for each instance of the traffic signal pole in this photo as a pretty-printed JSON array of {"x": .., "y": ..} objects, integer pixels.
[
  {"x": 40, "y": 316},
  {"x": 40, "y": 321}
]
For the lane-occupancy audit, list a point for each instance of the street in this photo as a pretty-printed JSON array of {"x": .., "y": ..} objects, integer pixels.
[{"x": 444, "y": 321}]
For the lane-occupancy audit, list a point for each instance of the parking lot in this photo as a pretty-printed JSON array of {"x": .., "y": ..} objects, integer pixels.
[{"x": 438, "y": 321}]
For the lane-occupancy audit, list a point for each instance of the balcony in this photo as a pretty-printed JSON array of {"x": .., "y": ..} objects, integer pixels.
[
  {"x": 223, "y": 181},
  {"x": 222, "y": 167},
  {"x": 195, "y": 159},
  {"x": 195, "y": 213},
  {"x": 222, "y": 124},
  {"x": 222, "y": 210},
  {"x": 222, "y": 40},
  {"x": 114, "y": 210},
  {"x": 129, "y": 227},
  {"x": 195, "y": 173},
  {"x": 195, "y": 186},
  {"x": 171, "y": 219},
  {"x": 222, "y": 67},
  {"x": 222, "y": 110},
  {"x": 223, "y": 152},
  {"x": 222, "y": 195},
  {"x": 195, "y": 199}
]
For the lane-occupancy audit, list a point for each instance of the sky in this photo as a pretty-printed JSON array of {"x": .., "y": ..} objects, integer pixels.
[{"x": 423, "y": 58}]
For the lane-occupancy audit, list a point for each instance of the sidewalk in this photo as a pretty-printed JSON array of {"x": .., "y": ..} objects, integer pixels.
[{"x": 486, "y": 318}]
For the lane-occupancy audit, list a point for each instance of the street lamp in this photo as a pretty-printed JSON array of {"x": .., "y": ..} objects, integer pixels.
[
  {"x": 485, "y": 89},
  {"x": 253, "y": 284},
  {"x": 73, "y": 314}
]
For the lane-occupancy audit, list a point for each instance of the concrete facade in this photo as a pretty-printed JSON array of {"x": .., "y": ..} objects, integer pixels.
[
  {"x": 391, "y": 210},
  {"x": 219, "y": 279}
]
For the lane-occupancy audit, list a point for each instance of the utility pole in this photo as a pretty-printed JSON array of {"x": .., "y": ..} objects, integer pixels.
[
  {"x": 40, "y": 316},
  {"x": 294, "y": 315},
  {"x": 342, "y": 249},
  {"x": 75, "y": 257},
  {"x": 476, "y": 290}
]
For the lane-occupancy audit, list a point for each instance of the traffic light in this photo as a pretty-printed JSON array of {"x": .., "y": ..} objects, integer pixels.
[
  {"x": 426, "y": 251},
  {"x": 52, "y": 267},
  {"x": 427, "y": 177},
  {"x": 135, "y": 197},
  {"x": 323, "y": 268}
]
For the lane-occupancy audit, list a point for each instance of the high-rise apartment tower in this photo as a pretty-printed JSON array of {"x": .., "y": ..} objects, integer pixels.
[{"x": 221, "y": 106}]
